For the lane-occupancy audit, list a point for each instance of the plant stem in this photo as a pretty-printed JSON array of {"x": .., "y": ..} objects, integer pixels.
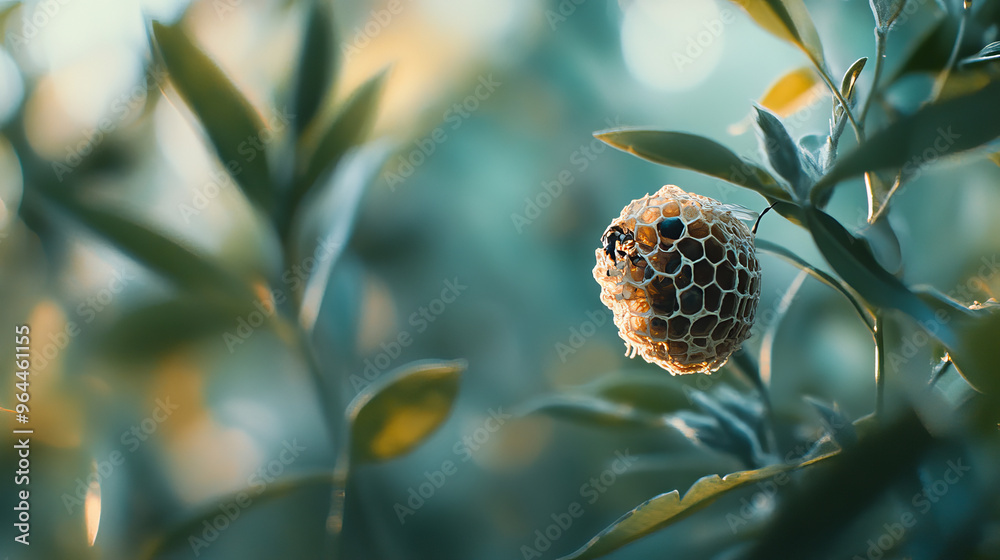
[
  {"x": 879, "y": 366},
  {"x": 880, "y": 35},
  {"x": 943, "y": 76}
]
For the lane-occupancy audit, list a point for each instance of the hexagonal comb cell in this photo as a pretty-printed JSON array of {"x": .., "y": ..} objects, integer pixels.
[{"x": 681, "y": 276}]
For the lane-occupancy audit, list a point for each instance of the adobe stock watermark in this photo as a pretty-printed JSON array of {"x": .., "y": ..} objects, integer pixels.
[
  {"x": 704, "y": 38},
  {"x": 121, "y": 107},
  {"x": 32, "y": 24},
  {"x": 963, "y": 292},
  {"x": 464, "y": 450},
  {"x": 420, "y": 320},
  {"x": 249, "y": 149},
  {"x": 454, "y": 117},
  {"x": 922, "y": 503},
  {"x": 579, "y": 161},
  {"x": 563, "y": 11},
  {"x": 579, "y": 334},
  {"x": 131, "y": 439},
  {"x": 212, "y": 529},
  {"x": 590, "y": 492},
  {"x": 294, "y": 278}
]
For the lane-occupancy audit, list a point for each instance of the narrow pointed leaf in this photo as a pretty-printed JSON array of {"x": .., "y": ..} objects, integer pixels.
[
  {"x": 394, "y": 415},
  {"x": 781, "y": 150},
  {"x": 788, "y": 20},
  {"x": 347, "y": 129},
  {"x": 697, "y": 153},
  {"x": 847, "y": 89},
  {"x": 837, "y": 425},
  {"x": 989, "y": 52},
  {"x": 666, "y": 509},
  {"x": 822, "y": 276},
  {"x": 648, "y": 392},
  {"x": 791, "y": 92},
  {"x": 317, "y": 64},
  {"x": 147, "y": 333},
  {"x": 937, "y": 130},
  {"x": 184, "y": 267},
  {"x": 592, "y": 411},
  {"x": 227, "y": 117},
  {"x": 347, "y": 186},
  {"x": 180, "y": 533}
]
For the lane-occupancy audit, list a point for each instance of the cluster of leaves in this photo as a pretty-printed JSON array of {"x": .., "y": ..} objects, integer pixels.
[
  {"x": 329, "y": 157},
  {"x": 797, "y": 180}
]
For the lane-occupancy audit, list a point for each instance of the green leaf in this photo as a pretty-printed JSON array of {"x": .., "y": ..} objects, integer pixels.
[
  {"x": 394, "y": 415},
  {"x": 847, "y": 89},
  {"x": 347, "y": 129},
  {"x": 697, "y": 153},
  {"x": 346, "y": 187},
  {"x": 227, "y": 117},
  {"x": 853, "y": 260},
  {"x": 951, "y": 126},
  {"x": 829, "y": 280},
  {"x": 317, "y": 64},
  {"x": 190, "y": 271},
  {"x": 788, "y": 20},
  {"x": 146, "y": 333},
  {"x": 180, "y": 533},
  {"x": 966, "y": 333},
  {"x": 652, "y": 393},
  {"x": 989, "y": 52},
  {"x": 781, "y": 150},
  {"x": 592, "y": 411},
  {"x": 666, "y": 509}
]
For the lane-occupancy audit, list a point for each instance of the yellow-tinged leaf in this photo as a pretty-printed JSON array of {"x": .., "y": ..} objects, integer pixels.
[
  {"x": 392, "y": 416},
  {"x": 788, "y": 20},
  {"x": 666, "y": 509},
  {"x": 792, "y": 92}
]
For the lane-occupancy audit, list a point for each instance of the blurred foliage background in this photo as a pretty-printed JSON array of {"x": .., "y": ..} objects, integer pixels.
[{"x": 475, "y": 241}]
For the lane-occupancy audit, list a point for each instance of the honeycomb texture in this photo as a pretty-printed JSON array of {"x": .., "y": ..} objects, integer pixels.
[{"x": 681, "y": 276}]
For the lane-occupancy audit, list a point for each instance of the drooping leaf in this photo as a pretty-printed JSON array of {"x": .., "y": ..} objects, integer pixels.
[
  {"x": 648, "y": 392},
  {"x": 988, "y": 53},
  {"x": 741, "y": 438},
  {"x": 788, "y": 20},
  {"x": 592, "y": 411},
  {"x": 829, "y": 280},
  {"x": 149, "y": 332},
  {"x": 854, "y": 262},
  {"x": 395, "y": 414},
  {"x": 348, "y": 127},
  {"x": 180, "y": 533},
  {"x": 781, "y": 150},
  {"x": 965, "y": 332},
  {"x": 184, "y": 267},
  {"x": 944, "y": 128},
  {"x": 791, "y": 92},
  {"x": 697, "y": 153},
  {"x": 231, "y": 123},
  {"x": 317, "y": 64},
  {"x": 666, "y": 509},
  {"x": 886, "y": 11},
  {"x": 346, "y": 186}
]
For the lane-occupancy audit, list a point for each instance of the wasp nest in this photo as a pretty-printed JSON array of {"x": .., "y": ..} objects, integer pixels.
[{"x": 681, "y": 276}]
